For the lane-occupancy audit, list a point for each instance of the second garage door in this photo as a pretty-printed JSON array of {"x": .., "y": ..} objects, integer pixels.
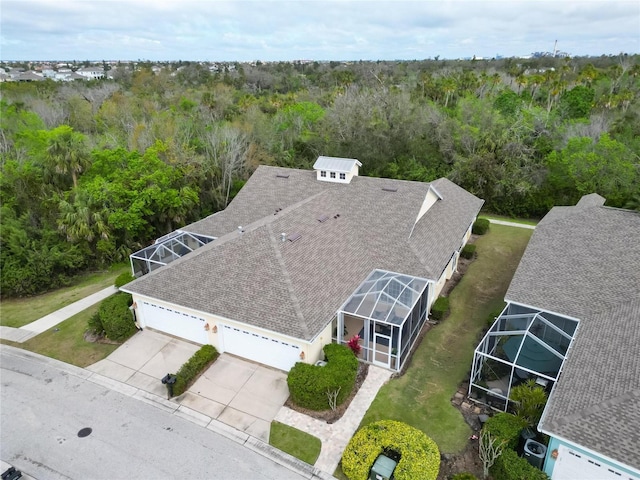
[
  {"x": 173, "y": 322},
  {"x": 259, "y": 348},
  {"x": 572, "y": 465}
]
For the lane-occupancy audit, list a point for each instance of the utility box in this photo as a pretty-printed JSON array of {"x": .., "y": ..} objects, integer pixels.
[
  {"x": 534, "y": 452},
  {"x": 383, "y": 468}
]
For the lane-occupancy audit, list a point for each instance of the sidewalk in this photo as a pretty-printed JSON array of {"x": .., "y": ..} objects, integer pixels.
[
  {"x": 512, "y": 224},
  {"x": 334, "y": 437},
  {"x": 32, "y": 329}
]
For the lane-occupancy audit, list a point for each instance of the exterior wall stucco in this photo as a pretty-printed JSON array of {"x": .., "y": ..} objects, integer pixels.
[{"x": 429, "y": 200}]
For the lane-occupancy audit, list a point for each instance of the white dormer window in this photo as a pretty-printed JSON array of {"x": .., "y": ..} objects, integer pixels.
[{"x": 341, "y": 170}]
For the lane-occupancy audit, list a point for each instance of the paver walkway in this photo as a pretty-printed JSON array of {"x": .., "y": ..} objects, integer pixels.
[
  {"x": 334, "y": 437},
  {"x": 43, "y": 324}
]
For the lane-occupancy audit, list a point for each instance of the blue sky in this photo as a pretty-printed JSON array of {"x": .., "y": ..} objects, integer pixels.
[{"x": 312, "y": 29}]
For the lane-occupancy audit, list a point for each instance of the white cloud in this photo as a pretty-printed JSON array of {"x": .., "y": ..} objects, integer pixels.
[{"x": 318, "y": 29}]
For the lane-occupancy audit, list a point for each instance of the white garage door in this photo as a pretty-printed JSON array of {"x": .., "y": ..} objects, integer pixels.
[
  {"x": 259, "y": 348},
  {"x": 173, "y": 322},
  {"x": 572, "y": 465}
]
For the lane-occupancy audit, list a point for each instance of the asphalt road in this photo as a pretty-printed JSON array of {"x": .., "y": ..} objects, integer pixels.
[{"x": 43, "y": 408}]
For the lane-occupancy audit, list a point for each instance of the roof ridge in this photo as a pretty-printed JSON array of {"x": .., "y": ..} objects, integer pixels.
[
  {"x": 287, "y": 279},
  {"x": 595, "y": 408}
]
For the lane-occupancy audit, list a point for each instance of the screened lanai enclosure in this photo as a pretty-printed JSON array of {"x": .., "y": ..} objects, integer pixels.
[
  {"x": 523, "y": 343},
  {"x": 165, "y": 250},
  {"x": 387, "y": 312}
]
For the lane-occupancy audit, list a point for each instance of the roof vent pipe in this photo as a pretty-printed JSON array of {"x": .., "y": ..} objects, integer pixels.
[
  {"x": 240, "y": 230},
  {"x": 284, "y": 236}
]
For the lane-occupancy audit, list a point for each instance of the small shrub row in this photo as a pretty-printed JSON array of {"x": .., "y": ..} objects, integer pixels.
[
  {"x": 480, "y": 226},
  {"x": 506, "y": 428},
  {"x": 113, "y": 318},
  {"x": 440, "y": 308},
  {"x": 198, "y": 363},
  {"x": 468, "y": 251},
  {"x": 309, "y": 384},
  {"x": 509, "y": 466},
  {"x": 419, "y": 454},
  {"x": 123, "y": 279}
]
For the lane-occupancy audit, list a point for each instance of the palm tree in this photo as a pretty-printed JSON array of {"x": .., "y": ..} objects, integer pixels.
[{"x": 67, "y": 152}]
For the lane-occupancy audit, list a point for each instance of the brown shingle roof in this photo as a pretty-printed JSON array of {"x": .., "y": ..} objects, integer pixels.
[
  {"x": 583, "y": 262},
  {"x": 295, "y": 288}
]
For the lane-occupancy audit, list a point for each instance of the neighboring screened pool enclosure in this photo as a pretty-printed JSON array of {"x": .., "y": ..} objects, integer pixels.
[
  {"x": 523, "y": 343},
  {"x": 165, "y": 250},
  {"x": 387, "y": 312}
]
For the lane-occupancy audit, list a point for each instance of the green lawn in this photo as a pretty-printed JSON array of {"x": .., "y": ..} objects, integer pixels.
[
  {"x": 295, "y": 442},
  {"x": 17, "y": 312},
  {"x": 422, "y": 396},
  {"x": 67, "y": 343}
]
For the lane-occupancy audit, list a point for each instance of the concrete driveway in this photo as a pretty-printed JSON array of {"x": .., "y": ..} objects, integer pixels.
[{"x": 239, "y": 393}]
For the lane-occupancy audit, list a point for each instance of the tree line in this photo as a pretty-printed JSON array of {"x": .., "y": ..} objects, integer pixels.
[{"x": 92, "y": 171}]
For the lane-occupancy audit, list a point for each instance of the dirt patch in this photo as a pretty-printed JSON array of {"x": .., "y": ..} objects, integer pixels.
[
  {"x": 467, "y": 460},
  {"x": 332, "y": 416},
  {"x": 95, "y": 338}
]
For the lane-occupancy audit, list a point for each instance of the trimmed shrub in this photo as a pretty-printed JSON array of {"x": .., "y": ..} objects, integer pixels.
[
  {"x": 506, "y": 428},
  {"x": 95, "y": 324},
  {"x": 419, "y": 454},
  {"x": 198, "y": 363},
  {"x": 480, "y": 226},
  {"x": 440, "y": 308},
  {"x": 123, "y": 279},
  {"x": 309, "y": 384},
  {"x": 464, "y": 476},
  {"x": 509, "y": 466},
  {"x": 115, "y": 317},
  {"x": 468, "y": 251}
]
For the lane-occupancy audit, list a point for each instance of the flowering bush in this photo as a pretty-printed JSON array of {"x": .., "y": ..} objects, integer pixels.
[
  {"x": 419, "y": 454},
  {"x": 354, "y": 345}
]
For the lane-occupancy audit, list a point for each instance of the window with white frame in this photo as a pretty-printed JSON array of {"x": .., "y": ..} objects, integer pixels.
[
  {"x": 323, "y": 173},
  {"x": 343, "y": 176},
  {"x": 333, "y": 174}
]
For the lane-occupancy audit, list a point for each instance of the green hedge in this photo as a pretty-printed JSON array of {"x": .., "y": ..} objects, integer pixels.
[
  {"x": 440, "y": 308},
  {"x": 506, "y": 428},
  {"x": 114, "y": 318},
  {"x": 308, "y": 384},
  {"x": 509, "y": 466},
  {"x": 464, "y": 476},
  {"x": 468, "y": 251},
  {"x": 480, "y": 226},
  {"x": 419, "y": 454},
  {"x": 197, "y": 364},
  {"x": 123, "y": 279}
]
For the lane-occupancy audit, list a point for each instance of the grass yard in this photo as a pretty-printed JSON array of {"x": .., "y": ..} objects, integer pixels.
[
  {"x": 68, "y": 344},
  {"x": 294, "y": 442},
  {"x": 17, "y": 312},
  {"x": 422, "y": 396}
]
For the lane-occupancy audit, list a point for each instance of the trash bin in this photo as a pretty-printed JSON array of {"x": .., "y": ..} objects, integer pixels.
[
  {"x": 168, "y": 380},
  {"x": 535, "y": 452},
  {"x": 383, "y": 468}
]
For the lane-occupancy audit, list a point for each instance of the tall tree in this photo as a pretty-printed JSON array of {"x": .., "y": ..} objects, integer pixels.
[{"x": 67, "y": 152}]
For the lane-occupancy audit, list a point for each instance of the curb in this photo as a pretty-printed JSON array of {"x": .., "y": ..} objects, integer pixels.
[{"x": 242, "y": 438}]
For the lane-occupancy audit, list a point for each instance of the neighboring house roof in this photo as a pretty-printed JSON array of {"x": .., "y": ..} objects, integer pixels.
[
  {"x": 336, "y": 164},
  {"x": 583, "y": 262},
  {"x": 30, "y": 77},
  {"x": 295, "y": 288}
]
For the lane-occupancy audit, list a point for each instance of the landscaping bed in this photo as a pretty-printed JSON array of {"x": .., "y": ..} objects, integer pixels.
[{"x": 332, "y": 416}]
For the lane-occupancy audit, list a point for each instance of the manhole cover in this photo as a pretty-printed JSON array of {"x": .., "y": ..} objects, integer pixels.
[{"x": 84, "y": 432}]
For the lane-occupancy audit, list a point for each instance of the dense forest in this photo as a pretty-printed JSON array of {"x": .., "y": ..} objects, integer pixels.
[{"x": 91, "y": 171}]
